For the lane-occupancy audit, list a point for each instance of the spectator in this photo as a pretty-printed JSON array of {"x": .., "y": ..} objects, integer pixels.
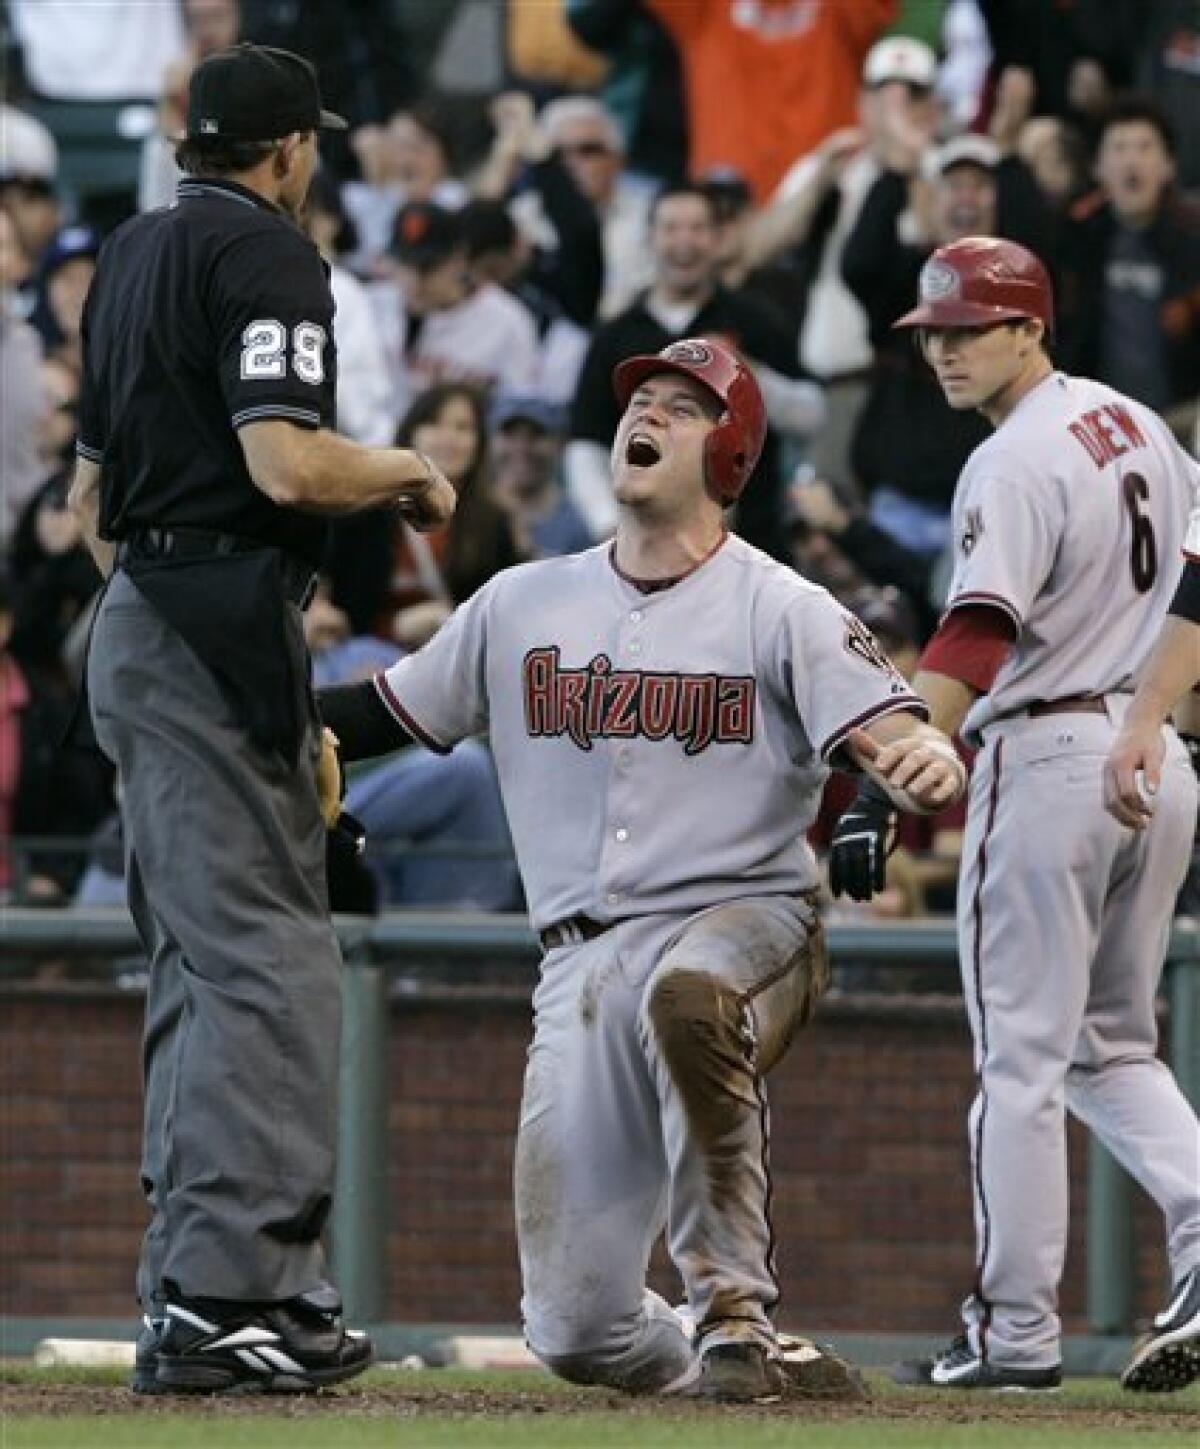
[
  {"x": 21, "y": 401},
  {"x": 33, "y": 207},
  {"x": 398, "y": 584},
  {"x": 572, "y": 271},
  {"x": 1054, "y": 151},
  {"x": 686, "y": 300},
  {"x": 585, "y": 138},
  {"x": 436, "y": 830},
  {"x": 53, "y": 576},
  {"x": 527, "y": 445},
  {"x": 498, "y": 252},
  {"x": 408, "y": 160},
  {"x": 1129, "y": 310},
  {"x": 366, "y": 409},
  {"x": 908, "y": 447},
  {"x": 441, "y": 322},
  {"x": 46, "y": 789},
  {"x": 96, "y": 50},
  {"x": 922, "y": 869},
  {"x": 62, "y": 287},
  {"x": 1168, "y": 69},
  {"x": 763, "y": 85},
  {"x": 818, "y": 509},
  {"x": 210, "y": 25},
  {"x": 824, "y": 192},
  {"x": 27, "y": 146},
  {"x": 643, "y": 88}
]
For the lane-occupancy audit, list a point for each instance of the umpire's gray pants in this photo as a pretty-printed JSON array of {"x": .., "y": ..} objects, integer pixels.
[{"x": 225, "y": 860}]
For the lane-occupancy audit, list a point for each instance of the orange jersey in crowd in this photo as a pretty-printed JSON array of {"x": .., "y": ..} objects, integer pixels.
[{"x": 767, "y": 80}]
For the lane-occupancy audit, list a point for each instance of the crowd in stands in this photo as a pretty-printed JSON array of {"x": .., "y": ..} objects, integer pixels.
[{"x": 531, "y": 191}]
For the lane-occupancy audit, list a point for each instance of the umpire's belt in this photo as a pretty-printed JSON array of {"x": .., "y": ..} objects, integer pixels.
[
  {"x": 572, "y": 931},
  {"x": 186, "y": 544}
]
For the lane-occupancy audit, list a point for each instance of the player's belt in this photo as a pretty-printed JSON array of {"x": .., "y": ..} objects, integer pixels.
[
  {"x": 1069, "y": 704},
  {"x": 299, "y": 579},
  {"x": 572, "y": 931}
]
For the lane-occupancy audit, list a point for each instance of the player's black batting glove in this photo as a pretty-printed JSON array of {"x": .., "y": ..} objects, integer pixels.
[{"x": 859, "y": 848}]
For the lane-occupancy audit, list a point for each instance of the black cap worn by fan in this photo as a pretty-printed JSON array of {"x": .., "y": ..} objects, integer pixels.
[{"x": 255, "y": 93}]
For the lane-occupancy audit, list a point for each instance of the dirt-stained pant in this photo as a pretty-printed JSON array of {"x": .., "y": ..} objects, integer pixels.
[
  {"x": 644, "y": 1107},
  {"x": 1063, "y": 918},
  {"x": 225, "y": 848}
]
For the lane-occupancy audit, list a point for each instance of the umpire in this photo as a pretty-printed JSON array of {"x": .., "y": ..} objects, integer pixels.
[{"x": 206, "y": 457}]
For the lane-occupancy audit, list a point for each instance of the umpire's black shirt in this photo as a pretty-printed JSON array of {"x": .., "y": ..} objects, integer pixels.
[{"x": 202, "y": 317}]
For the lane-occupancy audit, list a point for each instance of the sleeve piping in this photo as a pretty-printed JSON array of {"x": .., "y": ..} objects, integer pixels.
[
  {"x": 310, "y": 417},
  {"x": 995, "y": 601},
  {"x": 913, "y": 703},
  {"x": 388, "y": 695}
]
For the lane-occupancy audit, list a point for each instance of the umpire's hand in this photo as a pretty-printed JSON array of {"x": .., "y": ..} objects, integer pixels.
[{"x": 858, "y": 850}]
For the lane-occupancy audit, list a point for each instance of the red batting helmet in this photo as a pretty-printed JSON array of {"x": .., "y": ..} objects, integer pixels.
[
  {"x": 979, "y": 280},
  {"x": 732, "y": 448}
]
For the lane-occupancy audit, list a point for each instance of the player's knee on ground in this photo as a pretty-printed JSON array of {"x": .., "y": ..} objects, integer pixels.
[
  {"x": 636, "y": 1356},
  {"x": 704, "y": 1033}
]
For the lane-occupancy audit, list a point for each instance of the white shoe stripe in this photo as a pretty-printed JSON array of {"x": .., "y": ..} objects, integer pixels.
[
  {"x": 186, "y": 1315},
  {"x": 252, "y": 1360},
  {"x": 1175, "y": 1304},
  {"x": 282, "y": 1361},
  {"x": 251, "y": 1336}
]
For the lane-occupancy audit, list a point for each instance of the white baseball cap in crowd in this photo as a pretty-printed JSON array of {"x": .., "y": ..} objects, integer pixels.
[
  {"x": 900, "y": 58},
  {"x": 27, "y": 147},
  {"x": 968, "y": 149}
]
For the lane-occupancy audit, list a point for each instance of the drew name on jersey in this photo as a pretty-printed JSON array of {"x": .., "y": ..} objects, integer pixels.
[
  {"x": 1101, "y": 430},
  {"x": 600, "y": 702}
]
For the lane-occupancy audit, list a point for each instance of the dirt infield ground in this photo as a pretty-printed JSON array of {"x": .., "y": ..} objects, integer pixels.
[{"x": 453, "y": 1407}]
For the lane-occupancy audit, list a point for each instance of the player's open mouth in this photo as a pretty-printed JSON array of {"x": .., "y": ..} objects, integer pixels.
[{"x": 641, "y": 451}]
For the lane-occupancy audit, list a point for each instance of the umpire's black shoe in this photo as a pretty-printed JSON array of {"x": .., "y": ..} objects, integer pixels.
[
  {"x": 960, "y": 1367},
  {"x": 1168, "y": 1357},
  {"x": 294, "y": 1347},
  {"x": 145, "y": 1356},
  {"x": 741, "y": 1373}
]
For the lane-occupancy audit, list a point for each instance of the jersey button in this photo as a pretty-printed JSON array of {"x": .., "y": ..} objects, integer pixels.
[
  {"x": 622, "y": 835},
  {"x": 636, "y": 616},
  {"x": 635, "y": 647},
  {"x": 613, "y": 898}
]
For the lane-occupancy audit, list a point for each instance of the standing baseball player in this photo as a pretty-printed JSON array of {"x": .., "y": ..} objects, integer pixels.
[
  {"x": 1067, "y": 527},
  {"x": 662, "y": 710},
  {"x": 206, "y": 455}
]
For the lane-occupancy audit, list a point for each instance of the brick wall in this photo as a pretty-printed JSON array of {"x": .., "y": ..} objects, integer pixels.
[{"x": 871, "y": 1206}]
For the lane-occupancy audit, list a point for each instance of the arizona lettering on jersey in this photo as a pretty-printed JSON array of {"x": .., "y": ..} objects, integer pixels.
[{"x": 600, "y": 702}]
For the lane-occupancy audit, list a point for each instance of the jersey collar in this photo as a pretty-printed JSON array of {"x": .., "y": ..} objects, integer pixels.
[
  {"x": 194, "y": 188},
  {"x": 656, "y": 586}
]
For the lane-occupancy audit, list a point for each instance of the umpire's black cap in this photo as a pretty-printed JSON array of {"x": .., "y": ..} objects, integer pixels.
[{"x": 255, "y": 93}]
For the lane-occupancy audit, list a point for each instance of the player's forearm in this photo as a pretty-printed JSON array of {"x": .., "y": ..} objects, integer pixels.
[
  {"x": 363, "y": 724},
  {"x": 1173, "y": 670},
  {"x": 84, "y": 502},
  {"x": 949, "y": 700},
  {"x": 323, "y": 472}
]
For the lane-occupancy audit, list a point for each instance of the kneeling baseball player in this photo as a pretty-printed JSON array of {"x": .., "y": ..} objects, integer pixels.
[{"x": 663, "y": 710}]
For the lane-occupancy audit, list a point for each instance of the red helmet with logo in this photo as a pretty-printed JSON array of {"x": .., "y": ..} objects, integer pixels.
[
  {"x": 732, "y": 448},
  {"x": 978, "y": 281}
]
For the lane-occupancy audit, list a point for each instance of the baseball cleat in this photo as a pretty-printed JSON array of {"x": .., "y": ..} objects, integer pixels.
[
  {"x": 1168, "y": 1357},
  {"x": 292, "y": 1347},
  {"x": 741, "y": 1373},
  {"x": 960, "y": 1367}
]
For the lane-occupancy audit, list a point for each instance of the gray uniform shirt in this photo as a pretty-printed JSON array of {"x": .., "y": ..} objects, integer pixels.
[
  {"x": 1071, "y": 518},
  {"x": 657, "y": 752}
]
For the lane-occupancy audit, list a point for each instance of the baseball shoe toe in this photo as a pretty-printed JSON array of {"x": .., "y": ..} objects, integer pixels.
[
  {"x": 1168, "y": 1357},
  {"x": 741, "y": 1373},
  {"x": 961, "y": 1367}
]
